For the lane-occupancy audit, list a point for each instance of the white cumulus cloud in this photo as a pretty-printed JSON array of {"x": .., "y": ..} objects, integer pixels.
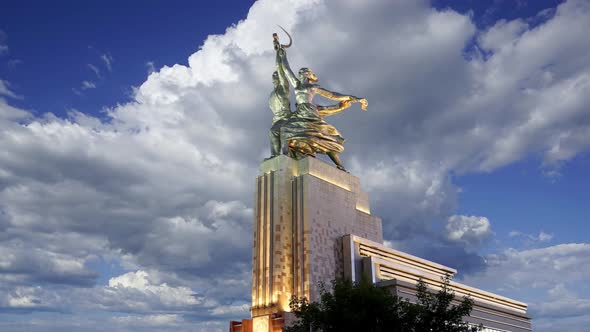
[
  {"x": 469, "y": 230},
  {"x": 140, "y": 281}
]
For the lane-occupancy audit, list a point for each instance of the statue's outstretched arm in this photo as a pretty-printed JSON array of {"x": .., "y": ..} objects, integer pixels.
[
  {"x": 333, "y": 109},
  {"x": 333, "y": 95},
  {"x": 284, "y": 65},
  {"x": 342, "y": 98}
]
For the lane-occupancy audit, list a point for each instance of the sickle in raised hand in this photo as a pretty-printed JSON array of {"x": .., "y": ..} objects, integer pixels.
[{"x": 290, "y": 39}]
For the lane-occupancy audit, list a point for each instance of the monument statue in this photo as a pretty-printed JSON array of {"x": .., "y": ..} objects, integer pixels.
[{"x": 305, "y": 132}]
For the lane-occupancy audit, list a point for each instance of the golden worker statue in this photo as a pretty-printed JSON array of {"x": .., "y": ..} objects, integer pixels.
[{"x": 304, "y": 132}]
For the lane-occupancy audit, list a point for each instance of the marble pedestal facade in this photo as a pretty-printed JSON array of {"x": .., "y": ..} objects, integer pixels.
[{"x": 303, "y": 208}]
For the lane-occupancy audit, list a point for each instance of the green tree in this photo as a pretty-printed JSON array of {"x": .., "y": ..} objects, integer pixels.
[
  {"x": 348, "y": 307},
  {"x": 436, "y": 312},
  {"x": 365, "y": 307}
]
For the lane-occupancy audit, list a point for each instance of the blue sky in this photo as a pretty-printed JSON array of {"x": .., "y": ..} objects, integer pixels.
[
  {"x": 125, "y": 187},
  {"x": 525, "y": 200},
  {"x": 58, "y": 42}
]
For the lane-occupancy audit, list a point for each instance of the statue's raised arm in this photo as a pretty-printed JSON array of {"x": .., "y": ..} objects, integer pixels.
[
  {"x": 284, "y": 65},
  {"x": 279, "y": 68}
]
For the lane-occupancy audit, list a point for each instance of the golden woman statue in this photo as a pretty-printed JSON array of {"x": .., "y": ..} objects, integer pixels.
[{"x": 306, "y": 132}]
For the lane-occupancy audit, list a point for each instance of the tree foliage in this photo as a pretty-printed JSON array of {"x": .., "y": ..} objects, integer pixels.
[{"x": 365, "y": 307}]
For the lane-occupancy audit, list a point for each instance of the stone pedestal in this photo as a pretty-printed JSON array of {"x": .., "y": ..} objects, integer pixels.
[{"x": 303, "y": 208}]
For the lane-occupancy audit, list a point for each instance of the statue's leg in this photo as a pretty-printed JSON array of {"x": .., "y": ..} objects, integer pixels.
[
  {"x": 284, "y": 146},
  {"x": 336, "y": 159},
  {"x": 293, "y": 150},
  {"x": 275, "y": 140}
]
